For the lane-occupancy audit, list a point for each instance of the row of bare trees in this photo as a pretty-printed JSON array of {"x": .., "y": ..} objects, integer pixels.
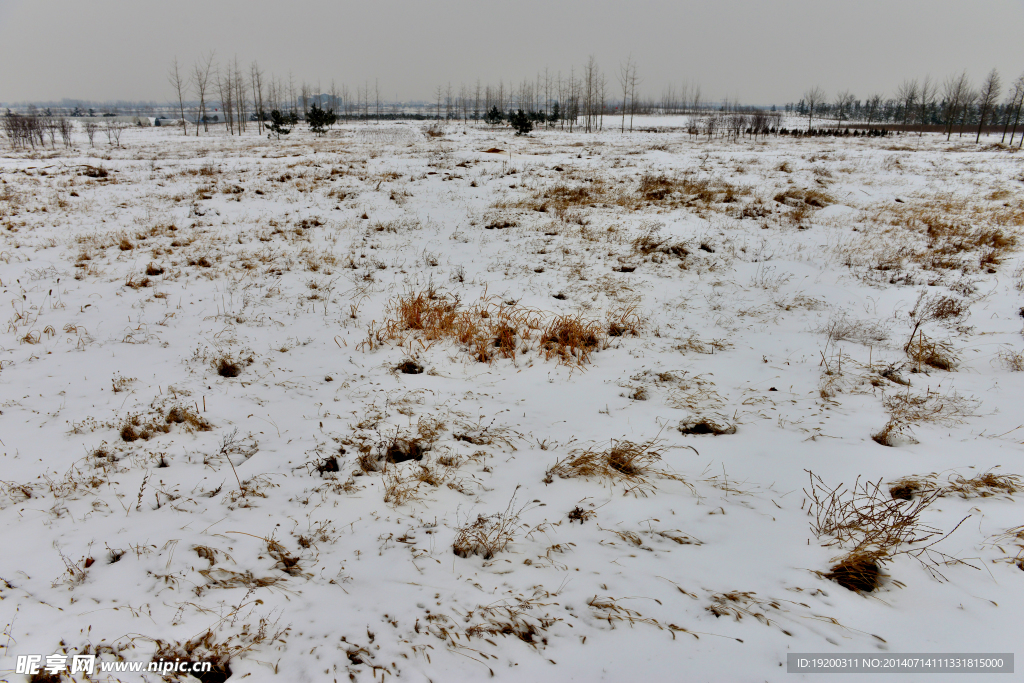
[
  {"x": 581, "y": 100},
  {"x": 27, "y": 131},
  {"x": 953, "y": 103},
  {"x": 734, "y": 125}
]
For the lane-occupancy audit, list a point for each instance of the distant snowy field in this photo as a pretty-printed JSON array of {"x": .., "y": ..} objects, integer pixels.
[{"x": 212, "y": 448}]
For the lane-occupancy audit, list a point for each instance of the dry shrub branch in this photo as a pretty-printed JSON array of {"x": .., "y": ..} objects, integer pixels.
[{"x": 875, "y": 526}]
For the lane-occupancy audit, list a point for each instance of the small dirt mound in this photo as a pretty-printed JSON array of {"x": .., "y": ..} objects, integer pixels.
[
  {"x": 493, "y": 150},
  {"x": 228, "y": 368},
  {"x": 904, "y": 491},
  {"x": 403, "y": 451},
  {"x": 327, "y": 465},
  {"x": 706, "y": 425},
  {"x": 858, "y": 572},
  {"x": 409, "y": 367},
  {"x": 505, "y": 338}
]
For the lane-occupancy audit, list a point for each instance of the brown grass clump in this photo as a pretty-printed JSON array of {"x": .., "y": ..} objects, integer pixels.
[
  {"x": 624, "y": 321},
  {"x": 625, "y": 462},
  {"x": 952, "y": 233},
  {"x": 1012, "y": 360},
  {"x": 570, "y": 338},
  {"x": 191, "y": 420},
  {"x": 796, "y": 197},
  {"x": 983, "y": 485},
  {"x": 905, "y": 489},
  {"x": 134, "y": 429},
  {"x": 519, "y": 619},
  {"x": 859, "y": 571},
  {"x": 489, "y": 535},
  {"x": 207, "y": 648},
  {"x": 488, "y": 330},
  {"x": 924, "y": 350}
]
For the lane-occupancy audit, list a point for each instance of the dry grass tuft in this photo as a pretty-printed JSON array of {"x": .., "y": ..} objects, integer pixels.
[
  {"x": 570, "y": 338},
  {"x": 488, "y": 536},
  {"x": 983, "y": 485},
  {"x": 797, "y": 198},
  {"x": 907, "y": 411},
  {"x": 188, "y": 418},
  {"x": 488, "y": 330},
  {"x": 924, "y": 350},
  {"x": 737, "y": 604},
  {"x": 1012, "y": 360},
  {"x": 624, "y": 462}
]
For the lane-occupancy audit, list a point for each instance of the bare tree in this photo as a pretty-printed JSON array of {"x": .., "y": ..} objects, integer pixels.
[
  {"x": 180, "y": 84},
  {"x": 954, "y": 90},
  {"x": 844, "y": 102},
  {"x": 906, "y": 96},
  {"x": 90, "y": 128},
  {"x": 634, "y": 81},
  {"x": 113, "y": 130},
  {"x": 814, "y": 98},
  {"x": 257, "y": 94},
  {"x": 873, "y": 106},
  {"x": 969, "y": 98},
  {"x": 225, "y": 89},
  {"x": 66, "y": 129},
  {"x": 1017, "y": 102},
  {"x": 926, "y": 101},
  {"x": 625, "y": 71},
  {"x": 695, "y": 97},
  {"x": 50, "y": 126},
  {"x": 201, "y": 82},
  {"x": 987, "y": 96},
  {"x": 239, "y": 97}
]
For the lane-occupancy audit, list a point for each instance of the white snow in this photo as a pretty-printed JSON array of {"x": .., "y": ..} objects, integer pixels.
[{"x": 270, "y": 263}]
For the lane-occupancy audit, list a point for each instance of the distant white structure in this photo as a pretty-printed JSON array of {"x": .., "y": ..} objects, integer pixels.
[{"x": 143, "y": 121}]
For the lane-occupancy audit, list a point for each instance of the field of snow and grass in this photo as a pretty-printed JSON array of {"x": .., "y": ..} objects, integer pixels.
[{"x": 399, "y": 406}]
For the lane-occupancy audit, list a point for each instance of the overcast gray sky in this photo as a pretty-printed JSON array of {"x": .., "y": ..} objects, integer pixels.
[{"x": 759, "y": 51}]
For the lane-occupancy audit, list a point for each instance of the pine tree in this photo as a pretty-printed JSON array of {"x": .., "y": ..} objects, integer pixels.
[
  {"x": 555, "y": 113},
  {"x": 493, "y": 117},
  {"x": 320, "y": 120},
  {"x": 521, "y": 122},
  {"x": 279, "y": 124}
]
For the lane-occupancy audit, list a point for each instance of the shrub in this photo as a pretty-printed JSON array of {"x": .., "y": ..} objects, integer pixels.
[{"x": 521, "y": 122}]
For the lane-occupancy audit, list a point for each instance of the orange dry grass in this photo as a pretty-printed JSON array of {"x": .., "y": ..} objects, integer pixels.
[{"x": 488, "y": 330}]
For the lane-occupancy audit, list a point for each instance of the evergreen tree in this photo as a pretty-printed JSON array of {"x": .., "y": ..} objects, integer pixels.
[
  {"x": 556, "y": 114},
  {"x": 320, "y": 119},
  {"x": 279, "y": 124},
  {"x": 494, "y": 117},
  {"x": 521, "y": 122}
]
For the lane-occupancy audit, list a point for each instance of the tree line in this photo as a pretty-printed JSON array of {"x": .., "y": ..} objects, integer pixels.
[{"x": 954, "y": 105}]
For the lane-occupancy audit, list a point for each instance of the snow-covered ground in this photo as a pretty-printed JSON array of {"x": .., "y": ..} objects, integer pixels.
[{"x": 151, "y": 502}]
